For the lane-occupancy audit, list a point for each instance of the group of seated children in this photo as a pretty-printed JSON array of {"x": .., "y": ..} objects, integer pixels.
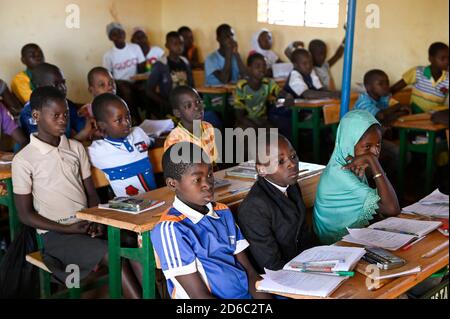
[{"x": 202, "y": 250}]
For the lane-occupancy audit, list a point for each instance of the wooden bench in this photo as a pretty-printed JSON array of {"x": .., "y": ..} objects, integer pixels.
[{"x": 36, "y": 260}]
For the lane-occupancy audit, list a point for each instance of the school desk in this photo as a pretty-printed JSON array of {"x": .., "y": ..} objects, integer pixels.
[
  {"x": 140, "y": 77},
  {"x": 221, "y": 92},
  {"x": 417, "y": 123},
  {"x": 356, "y": 288},
  {"x": 143, "y": 223},
  {"x": 315, "y": 123},
  {"x": 8, "y": 199}
]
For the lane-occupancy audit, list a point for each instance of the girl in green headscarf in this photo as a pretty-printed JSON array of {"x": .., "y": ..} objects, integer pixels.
[{"x": 344, "y": 197}]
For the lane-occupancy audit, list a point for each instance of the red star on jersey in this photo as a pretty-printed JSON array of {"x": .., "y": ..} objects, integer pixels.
[{"x": 131, "y": 190}]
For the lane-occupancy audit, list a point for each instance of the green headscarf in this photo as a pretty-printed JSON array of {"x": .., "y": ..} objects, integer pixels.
[{"x": 343, "y": 199}]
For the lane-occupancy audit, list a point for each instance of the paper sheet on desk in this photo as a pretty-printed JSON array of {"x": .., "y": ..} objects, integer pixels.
[
  {"x": 299, "y": 283},
  {"x": 418, "y": 227},
  {"x": 156, "y": 127},
  {"x": 377, "y": 238},
  {"x": 434, "y": 205}
]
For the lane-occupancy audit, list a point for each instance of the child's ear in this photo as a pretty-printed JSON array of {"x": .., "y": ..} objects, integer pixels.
[
  {"x": 36, "y": 115},
  {"x": 261, "y": 169},
  {"x": 171, "y": 183},
  {"x": 90, "y": 89}
]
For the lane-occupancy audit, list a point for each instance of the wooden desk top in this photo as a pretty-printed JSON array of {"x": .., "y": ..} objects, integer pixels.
[
  {"x": 140, "y": 77},
  {"x": 146, "y": 221},
  {"x": 5, "y": 169},
  {"x": 213, "y": 89},
  {"x": 314, "y": 103},
  {"x": 418, "y": 121},
  {"x": 355, "y": 287}
]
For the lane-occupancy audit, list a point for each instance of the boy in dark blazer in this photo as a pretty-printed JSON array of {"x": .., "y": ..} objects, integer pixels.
[{"x": 273, "y": 216}]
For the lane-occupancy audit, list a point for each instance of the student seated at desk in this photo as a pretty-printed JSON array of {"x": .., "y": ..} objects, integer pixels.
[
  {"x": 201, "y": 249},
  {"x": 190, "y": 51},
  {"x": 303, "y": 81},
  {"x": 9, "y": 127},
  {"x": 262, "y": 44},
  {"x": 344, "y": 197},
  {"x": 188, "y": 107},
  {"x": 378, "y": 102},
  {"x": 100, "y": 81},
  {"x": 124, "y": 61},
  {"x": 168, "y": 73},
  {"x": 273, "y": 216},
  {"x": 21, "y": 85},
  {"x": 377, "y": 99},
  {"x": 50, "y": 75},
  {"x": 9, "y": 100},
  {"x": 430, "y": 84},
  {"x": 123, "y": 152},
  {"x": 253, "y": 95},
  {"x": 224, "y": 65},
  {"x": 152, "y": 53},
  {"x": 53, "y": 172},
  {"x": 318, "y": 50}
]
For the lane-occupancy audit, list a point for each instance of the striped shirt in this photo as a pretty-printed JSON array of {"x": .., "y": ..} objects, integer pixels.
[
  {"x": 255, "y": 102},
  {"x": 206, "y": 140},
  {"x": 187, "y": 242},
  {"x": 427, "y": 93},
  {"x": 125, "y": 162}
]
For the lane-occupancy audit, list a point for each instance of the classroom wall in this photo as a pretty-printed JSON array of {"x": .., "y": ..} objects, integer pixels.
[
  {"x": 407, "y": 28},
  {"x": 75, "y": 51}
]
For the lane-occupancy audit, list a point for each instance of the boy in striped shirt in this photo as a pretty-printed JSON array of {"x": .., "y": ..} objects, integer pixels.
[
  {"x": 430, "y": 83},
  {"x": 200, "y": 247}
]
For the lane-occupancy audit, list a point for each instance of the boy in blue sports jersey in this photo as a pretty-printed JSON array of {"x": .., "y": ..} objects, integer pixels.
[
  {"x": 123, "y": 152},
  {"x": 201, "y": 249}
]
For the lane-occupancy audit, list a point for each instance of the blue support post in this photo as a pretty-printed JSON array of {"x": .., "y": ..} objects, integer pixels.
[{"x": 348, "y": 58}]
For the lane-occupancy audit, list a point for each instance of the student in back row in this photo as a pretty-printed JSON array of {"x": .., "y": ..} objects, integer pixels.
[
  {"x": 430, "y": 84},
  {"x": 152, "y": 53},
  {"x": 52, "y": 181},
  {"x": 224, "y": 65},
  {"x": 254, "y": 95},
  {"x": 124, "y": 61},
  {"x": 168, "y": 73},
  {"x": 190, "y": 51},
  {"x": 21, "y": 85},
  {"x": 201, "y": 249}
]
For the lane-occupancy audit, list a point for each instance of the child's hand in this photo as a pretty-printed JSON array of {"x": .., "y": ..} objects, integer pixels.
[
  {"x": 358, "y": 164},
  {"x": 298, "y": 44},
  {"x": 78, "y": 228},
  {"x": 96, "y": 230},
  {"x": 235, "y": 47}
]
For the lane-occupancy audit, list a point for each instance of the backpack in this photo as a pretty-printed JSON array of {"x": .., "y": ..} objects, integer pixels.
[{"x": 19, "y": 278}]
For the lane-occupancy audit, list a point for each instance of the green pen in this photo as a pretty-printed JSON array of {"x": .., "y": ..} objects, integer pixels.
[{"x": 331, "y": 273}]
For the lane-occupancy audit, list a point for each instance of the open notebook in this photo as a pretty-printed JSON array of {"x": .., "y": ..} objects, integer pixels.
[
  {"x": 434, "y": 205},
  {"x": 406, "y": 226},
  {"x": 344, "y": 258},
  {"x": 299, "y": 283},
  {"x": 377, "y": 238}
]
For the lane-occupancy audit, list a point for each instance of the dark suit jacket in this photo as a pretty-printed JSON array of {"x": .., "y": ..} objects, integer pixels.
[{"x": 274, "y": 225}]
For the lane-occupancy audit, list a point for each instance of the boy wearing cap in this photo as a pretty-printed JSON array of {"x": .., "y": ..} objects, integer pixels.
[{"x": 124, "y": 60}]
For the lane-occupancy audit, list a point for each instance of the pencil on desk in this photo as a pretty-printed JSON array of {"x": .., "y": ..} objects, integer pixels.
[
  {"x": 408, "y": 246},
  {"x": 435, "y": 250}
]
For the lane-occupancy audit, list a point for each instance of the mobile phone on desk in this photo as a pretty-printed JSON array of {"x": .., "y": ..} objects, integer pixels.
[{"x": 383, "y": 258}]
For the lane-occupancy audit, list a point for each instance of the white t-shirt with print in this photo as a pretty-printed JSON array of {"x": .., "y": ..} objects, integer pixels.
[{"x": 122, "y": 63}]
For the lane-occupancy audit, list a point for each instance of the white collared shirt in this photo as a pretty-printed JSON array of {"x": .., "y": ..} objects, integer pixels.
[
  {"x": 280, "y": 188},
  {"x": 191, "y": 213}
]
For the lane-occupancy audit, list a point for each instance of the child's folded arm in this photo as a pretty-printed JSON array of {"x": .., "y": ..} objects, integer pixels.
[{"x": 194, "y": 286}]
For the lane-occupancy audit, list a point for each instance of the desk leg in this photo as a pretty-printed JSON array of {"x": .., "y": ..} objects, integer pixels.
[
  {"x": 316, "y": 134},
  {"x": 401, "y": 163},
  {"x": 429, "y": 171},
  {"x": 295, "y": 128},
  {"x": 115, "y": 275},
  {"x": 12, "y": 213},
  {"x": 148, "y": 266}
]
